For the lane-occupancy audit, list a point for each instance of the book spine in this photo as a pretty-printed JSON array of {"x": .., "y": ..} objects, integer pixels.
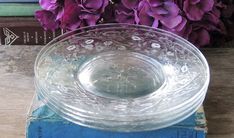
[
  {"x": 26, "y": 35},
  {"x": 18, "y": 9},
  {"x": 12, "y": 1}
]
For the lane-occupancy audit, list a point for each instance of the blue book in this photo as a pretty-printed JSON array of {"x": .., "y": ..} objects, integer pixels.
[
  {"x": 44, "y": 123},
  {"x": 14, "y": 1},
  {"x": 18, "y": 9}
]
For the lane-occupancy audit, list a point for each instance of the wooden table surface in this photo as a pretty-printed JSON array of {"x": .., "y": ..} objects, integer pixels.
[{"x": 17, "y": 89}]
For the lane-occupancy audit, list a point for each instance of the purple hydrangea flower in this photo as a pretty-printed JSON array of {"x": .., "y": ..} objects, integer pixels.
[
  {"x": 199, "y": 36},
  {"x": 195, "y": 33},
  {"x": 167, "y": 12},
  {"x": 51, "y": 13},
  {"x": 133, "y": 12},
  {"x": 55, "y": 6},
  {"x": 195, "y": 9},
  {"x": 199, "y": 24},
  {"x": 149, "y": 12},
  {"x": 71, "y": 14},
  {"x": 191, "y": 19},
  {"x": 211, "y": 21},
  {"x": 91, "y": 10}
]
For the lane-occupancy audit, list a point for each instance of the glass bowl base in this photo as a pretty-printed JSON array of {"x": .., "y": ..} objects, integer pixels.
[{"x": 119, "y": 74}]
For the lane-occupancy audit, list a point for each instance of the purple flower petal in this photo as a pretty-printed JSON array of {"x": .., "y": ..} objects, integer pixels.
[
  {"x": 193, "y": 2},
  {"x": 155, "y": 23},
  {"x": 171, "y": 22},
  {"x": 90, "y": 19},
  {"x": 70, "y": 19},
  {"x": 145, "y": 19},
  {"x": 47, "y": 19},
  {"x": 60, "y": 13},
  {"x": 200, "y": 37},
  {"x": 137, "y": 19},
  {"x": 217, "y": 12},
  {"x": 211, "y": 18},
  {"x": 104, "y": 5},
  {"x": 195, "y": 9},
  {"x": 206, "y": 5},
  {"x": 48, "y": 5},
  {"x": 181, "y": 25},
  {"x": 185, "y": 32},
  {"x": 130, "y": 4},
  {"x": 193, "y": 12},
  {"x": 123, "y": 17},
  {"x": 156, "y": 11},
  {"x": 91, "y": 4},
  {"x": 155, "y": 3},
  {"x": 172, "y": 8}
]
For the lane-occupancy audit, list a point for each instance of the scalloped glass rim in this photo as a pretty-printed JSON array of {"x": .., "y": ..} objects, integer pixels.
[{"x": 50, "y": 47}]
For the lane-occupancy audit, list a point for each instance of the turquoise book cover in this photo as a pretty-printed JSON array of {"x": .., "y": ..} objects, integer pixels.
[{"x": 18, "y": 9}]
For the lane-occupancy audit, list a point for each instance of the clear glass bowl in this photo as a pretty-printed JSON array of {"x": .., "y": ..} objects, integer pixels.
[{"x": 121, "y": 77}]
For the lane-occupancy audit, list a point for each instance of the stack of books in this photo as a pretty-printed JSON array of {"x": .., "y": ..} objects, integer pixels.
[{"x": 18, "y": 25}]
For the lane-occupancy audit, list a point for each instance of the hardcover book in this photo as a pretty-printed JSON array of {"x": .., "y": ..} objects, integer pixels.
[
  {"x": 13, "y": 1},
  {"x": 18, "y": 9},
  {"x": 24, "y": 31}
]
